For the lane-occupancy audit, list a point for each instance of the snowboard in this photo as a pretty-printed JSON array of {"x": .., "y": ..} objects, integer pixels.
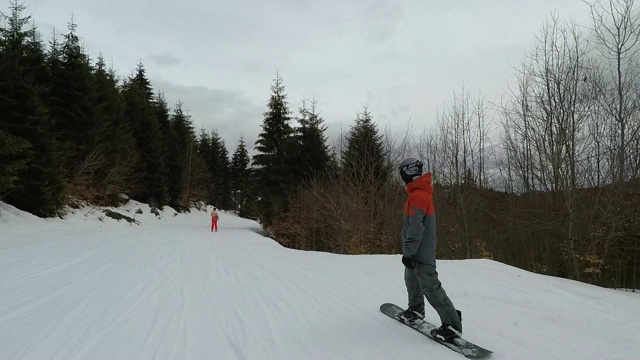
[{"x": 459, "y": 345}]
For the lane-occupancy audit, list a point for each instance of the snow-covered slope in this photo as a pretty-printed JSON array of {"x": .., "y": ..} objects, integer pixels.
[{"x": 91, "y": 287}]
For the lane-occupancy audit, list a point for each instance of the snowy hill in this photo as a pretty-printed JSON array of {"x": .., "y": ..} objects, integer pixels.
[{"x": 91, "y": 287}]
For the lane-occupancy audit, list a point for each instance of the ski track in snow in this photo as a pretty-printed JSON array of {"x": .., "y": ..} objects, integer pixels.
[{"x": 170, "y": 289}]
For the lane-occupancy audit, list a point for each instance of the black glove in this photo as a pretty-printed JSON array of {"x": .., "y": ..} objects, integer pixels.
[{"x": 408, "y": 262}]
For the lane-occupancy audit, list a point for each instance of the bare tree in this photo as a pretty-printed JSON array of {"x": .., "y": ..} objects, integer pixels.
[
  {"x": 456, "y": 155},
  {"x": 545, "y": 124},
  {"x": 616, "y": 30},
  {"x": 462, "y": 139}
]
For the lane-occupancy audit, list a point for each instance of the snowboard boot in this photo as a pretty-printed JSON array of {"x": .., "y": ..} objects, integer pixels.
[
  {"x": 448, "y": 332},
  {"x": 410, "y": 315}
]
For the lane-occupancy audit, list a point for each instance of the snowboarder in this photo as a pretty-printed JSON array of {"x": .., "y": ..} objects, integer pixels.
[
  {"x": 419, "y": 253},
  {"x": 214, "y": 219}
]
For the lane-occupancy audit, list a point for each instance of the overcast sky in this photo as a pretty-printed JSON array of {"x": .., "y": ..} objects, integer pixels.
[{"x": 401, "y": 59}]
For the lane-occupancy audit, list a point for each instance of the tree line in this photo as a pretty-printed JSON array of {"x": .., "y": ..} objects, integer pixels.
[
  {"x": 546, "y": 179},
  {"x": 72, "y": 131}
]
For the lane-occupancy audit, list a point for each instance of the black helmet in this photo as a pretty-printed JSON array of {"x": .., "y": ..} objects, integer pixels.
[{"x": 410, "y": 169}]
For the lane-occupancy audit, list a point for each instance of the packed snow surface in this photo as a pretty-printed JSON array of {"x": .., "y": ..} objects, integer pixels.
[{"x": 91, "y": 287}]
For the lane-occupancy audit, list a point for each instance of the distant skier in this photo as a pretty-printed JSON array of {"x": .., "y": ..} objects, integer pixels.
[
  {"x": 214, "y": 219},
  {"x": 419, "y": 253}
]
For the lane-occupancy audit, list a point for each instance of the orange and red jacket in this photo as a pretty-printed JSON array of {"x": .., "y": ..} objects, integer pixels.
[{"x": 419, "y": 222}]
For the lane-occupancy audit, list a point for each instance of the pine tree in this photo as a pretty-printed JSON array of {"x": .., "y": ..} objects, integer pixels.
[
  {"x": 184, "y": 149},
  {"x": 39, "y": 189},
  {"x": 204, "y": 144},
  {"x": 116, "y": 172},
  {"x": 273, "y": 162},
  {"x": 219, "y": 165},
  {"x": 171, "y": 151},
  {"x": 13, "y": 158},
  {"x": 71, "y": 109},
  {"x": 141, "y": 115},
  {"x": 364, "y": 159},
  {"x": 312, "y": 156},
  {"x": 226, "y": 196},
  {"x": 240, "y": 175},
  {"x": 205, "y": 152},
  {"x": 198, "y": 176}
]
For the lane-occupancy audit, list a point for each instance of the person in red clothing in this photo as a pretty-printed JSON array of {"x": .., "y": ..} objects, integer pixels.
[
  {"x": 214, "y": 219},
  {"x": 419, "y": 254}
]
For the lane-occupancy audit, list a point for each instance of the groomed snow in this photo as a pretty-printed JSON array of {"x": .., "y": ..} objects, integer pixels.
[{"x": 90, "y": 287}]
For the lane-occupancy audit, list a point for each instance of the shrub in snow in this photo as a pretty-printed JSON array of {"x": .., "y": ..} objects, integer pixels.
[
  {"x": 118, "y": 216},
  {"x": 118, "y": 199}
]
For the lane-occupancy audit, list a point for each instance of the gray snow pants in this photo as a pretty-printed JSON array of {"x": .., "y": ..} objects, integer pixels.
[{"x": 423, "y": 281}]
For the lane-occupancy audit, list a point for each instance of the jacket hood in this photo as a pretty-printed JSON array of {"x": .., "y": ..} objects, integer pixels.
[{"x": 421, "y": 183}]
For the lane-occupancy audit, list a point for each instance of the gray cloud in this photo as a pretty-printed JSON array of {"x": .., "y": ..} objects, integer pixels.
[
  {"x": 164, "y": 60},
  {"x": 382, "y": 20},
  {"x": 230, "y": 113}
]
